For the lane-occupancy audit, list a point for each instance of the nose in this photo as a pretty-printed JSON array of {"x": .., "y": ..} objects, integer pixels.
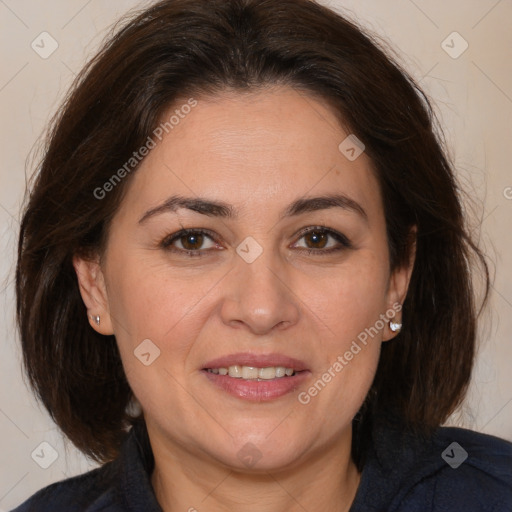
[{"x": 259, "y": 296}]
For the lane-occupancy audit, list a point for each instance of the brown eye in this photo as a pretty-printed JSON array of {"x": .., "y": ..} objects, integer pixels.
[
  {"x": 316, "y": 239},
  {"x": 192, "y": 241}
]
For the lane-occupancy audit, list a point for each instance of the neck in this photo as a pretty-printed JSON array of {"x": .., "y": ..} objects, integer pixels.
[{"x": 326, "y": 480}]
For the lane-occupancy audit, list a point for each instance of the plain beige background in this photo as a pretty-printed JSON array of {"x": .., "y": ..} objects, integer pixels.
[{"x": 472, "y": 92}]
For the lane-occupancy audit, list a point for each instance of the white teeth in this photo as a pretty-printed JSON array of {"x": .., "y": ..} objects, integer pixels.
[
  {"x": 235, "y": 371},
  {"x": 254, "y": 373},
  {"x": 267, "y": 373},
  {"x": 249, "y": 372}
]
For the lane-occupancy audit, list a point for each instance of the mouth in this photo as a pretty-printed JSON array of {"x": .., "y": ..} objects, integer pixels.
[
  {"x": 253, "y": 373},
  {"x": 256, "y": 377}
]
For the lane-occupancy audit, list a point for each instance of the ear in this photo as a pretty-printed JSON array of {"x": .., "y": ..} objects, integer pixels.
[
  {"x": 398, "y": 286},
  {"x": 94, "y": 293}
]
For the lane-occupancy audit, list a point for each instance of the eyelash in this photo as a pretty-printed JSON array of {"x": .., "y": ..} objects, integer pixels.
[{"x": 340, "y": 238}]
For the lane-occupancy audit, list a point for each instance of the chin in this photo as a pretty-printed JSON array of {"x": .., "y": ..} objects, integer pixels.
[{"x": 262, "y": 454}]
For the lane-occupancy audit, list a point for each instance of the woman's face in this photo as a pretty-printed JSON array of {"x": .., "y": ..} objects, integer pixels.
[{"x": 290, "y": 270}]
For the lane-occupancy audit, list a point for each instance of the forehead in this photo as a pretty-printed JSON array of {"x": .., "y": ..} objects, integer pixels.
[{"x": 254, "y": 150}]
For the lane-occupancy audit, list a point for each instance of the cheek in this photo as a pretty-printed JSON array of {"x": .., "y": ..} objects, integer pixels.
[
  {"x": 350, "y": 352},
  {"x": 346, "y": 389},
  {"x": 151, "y": 299},
  {"x": 351, "y": 297},
  {"x": 349, "y": 306},
  {"x": 155, "y": 323},
  {"x": 166, "y": 306}
]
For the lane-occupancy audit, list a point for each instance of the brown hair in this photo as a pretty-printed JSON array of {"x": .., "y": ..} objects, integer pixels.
[{"x": 183, "y": 48}]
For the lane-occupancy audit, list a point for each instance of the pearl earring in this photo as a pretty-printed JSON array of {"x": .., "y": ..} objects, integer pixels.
[
  {"x": 96, "y": 318},
  {"x": 395, "y": 326}
]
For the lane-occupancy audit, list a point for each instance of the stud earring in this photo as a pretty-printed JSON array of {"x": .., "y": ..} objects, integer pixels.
[
  {"x": 96, "y": 319},
  {"x": 395, "y": 326}
]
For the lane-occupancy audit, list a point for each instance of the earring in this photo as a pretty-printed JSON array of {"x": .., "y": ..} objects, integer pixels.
[
  {"x": 395, "y": 326},
  {"x": 96, "y": 318}
]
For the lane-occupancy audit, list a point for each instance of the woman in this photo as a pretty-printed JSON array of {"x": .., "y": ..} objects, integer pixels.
[{"x": 243, "y": 278}]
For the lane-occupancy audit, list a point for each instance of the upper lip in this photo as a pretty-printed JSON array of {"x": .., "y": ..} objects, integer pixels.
[{"x": 256, "y": 360}]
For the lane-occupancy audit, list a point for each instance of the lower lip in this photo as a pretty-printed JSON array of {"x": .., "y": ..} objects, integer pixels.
[{"x": 257, "y": 391}]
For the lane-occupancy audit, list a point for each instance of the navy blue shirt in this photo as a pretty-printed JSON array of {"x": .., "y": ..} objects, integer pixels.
[{"x": 455, "y": 470}]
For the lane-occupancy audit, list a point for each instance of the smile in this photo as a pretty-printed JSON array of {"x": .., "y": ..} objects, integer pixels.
[{"x": 253, "y": 373}]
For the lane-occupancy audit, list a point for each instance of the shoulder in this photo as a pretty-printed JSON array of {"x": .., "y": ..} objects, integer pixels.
[
  {"x": 117, "y": 486},
  {"x": 481, "y": 452},
  {"x": 455, "y": 469},
  {"x": 90, "y": 492},
  {"x": 475, "y": 471}
]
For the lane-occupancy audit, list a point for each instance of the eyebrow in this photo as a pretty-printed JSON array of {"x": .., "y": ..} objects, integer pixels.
[{"x": 227, "y": 211}]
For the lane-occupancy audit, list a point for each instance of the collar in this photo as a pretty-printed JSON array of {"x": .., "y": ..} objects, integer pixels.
[{"x": 135, "y": 465}]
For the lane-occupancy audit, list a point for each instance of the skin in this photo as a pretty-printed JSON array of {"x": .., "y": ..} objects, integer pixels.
[{"x": 258, "y": 152}]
